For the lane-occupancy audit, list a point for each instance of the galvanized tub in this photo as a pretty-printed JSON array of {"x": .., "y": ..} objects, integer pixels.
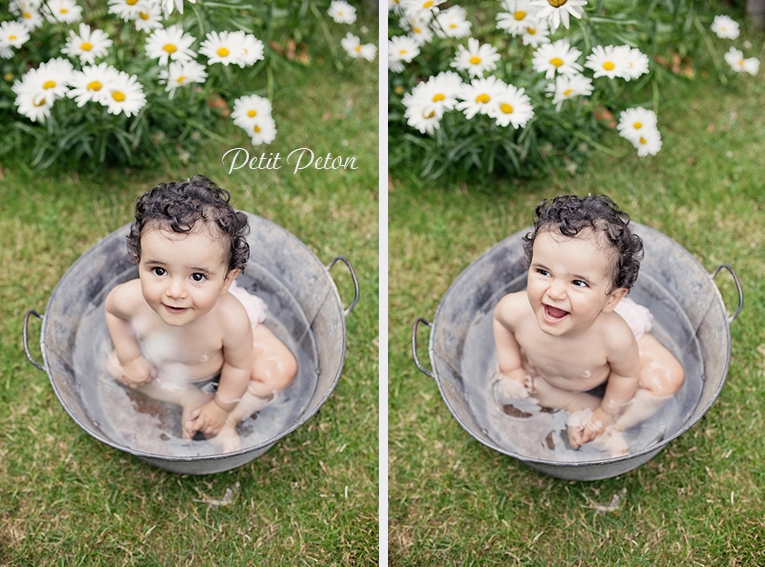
[
  {"x": 304, "y": 310},
  {"x": 689, "y": 318}
]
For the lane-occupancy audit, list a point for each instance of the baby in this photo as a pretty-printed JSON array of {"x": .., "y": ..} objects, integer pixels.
[
  {"x": 178, "y": 325},
  {"x": 564, "y": 335}
]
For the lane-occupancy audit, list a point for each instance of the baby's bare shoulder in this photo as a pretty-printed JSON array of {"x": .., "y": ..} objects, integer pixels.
[
  {"x": 231, "y": 314},
  {"x": 126, "y": 299},
  {"x": 512, "y": 307},
  {"x": 615, "y": 333}
]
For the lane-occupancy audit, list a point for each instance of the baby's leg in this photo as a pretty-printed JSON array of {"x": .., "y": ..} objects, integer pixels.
[
  {"x": 549, "y": 396},
  {"x": 273, "y": 368},
  {"x": 661, "y": 376}
]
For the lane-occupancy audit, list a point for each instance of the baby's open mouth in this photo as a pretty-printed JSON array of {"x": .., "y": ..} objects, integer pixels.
[
  {"x": 172, "y": 309},
  {"x": 553, "y": 314}
]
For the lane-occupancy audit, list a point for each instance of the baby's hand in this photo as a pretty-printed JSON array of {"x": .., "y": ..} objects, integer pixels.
[
  {"x": 515, "y": 385},
  {"x": 209, "y": 418},
  {"x": 137, "y": 372},
  {"x": 581, "y": 431}
]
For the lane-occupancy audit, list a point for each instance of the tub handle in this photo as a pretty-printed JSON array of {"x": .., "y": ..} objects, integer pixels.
[
  {"x": 345, "y": 261},
  {"x": 738, "y": 288},
  {"x": 414, "y": 346},
  {"x": 25, "y": 334}
]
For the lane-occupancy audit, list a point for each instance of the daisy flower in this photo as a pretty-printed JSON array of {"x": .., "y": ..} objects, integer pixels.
[
  {"x": 341, "y": 12},
  {"x": 637, "y": 64},
  {"x": 480, "y": 96},
  {"x": 352, "y": 46},
  {"x": 13, "y": 34},
  {"x": 181, "y": 73},
  {"x": 395, "y": 7},
  {"x": 18, "y": 7},
  {"x": 513, "y": 107},
  {"x": 65, "y": 11},
  {"x": 88, "y": 85},
  {"x": 6, "y": 53},
  {"x": 725, "y": 27},
  {"x": 401, "y": 49},
  {"x": 608, "y": 61},
  {"x": 476, "y": 59},
  {"x": 224, "y": 47},
  {"x": 568, "y": 87},
  {"x": 735, "y": 58},
  {"x": 519, "y": 15},
  {"x": 418, "y": 29},
  {"x": 536, "y": 33},
  {"x": 649, "y": 143},
  {"x": 557, "y": 57},
  {"x": 128, "y": 10},
  {"x": 557, "y": 12},
  {"x": 35, "y": 106},
  {"x": 250, "y": 110},
  {"x": 87, "y": 45},
  {"x": 263, "y": 131},
  {"x": 123, "y": 94},
  {"x": 429, "y": 100},
  {"x": 452, "y": 22},
  {"x": 31, "y": 19},
  {"x": 424, "y": 9},
  {"x": 635, "y": 122},
  {"x": 252, "y": 50},
  {"x": 170, "y": 43},
  {"x": 149, "y": 18},
  {"x": 168, "y": 5}
]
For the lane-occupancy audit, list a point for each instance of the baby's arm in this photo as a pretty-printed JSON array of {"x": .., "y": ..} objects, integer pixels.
[
  {"x": 120, "y": 306},
  {"x": 235, "y": 374},
  {"x": 508, "y": 349},
  {"x": 623, "y": 381}
]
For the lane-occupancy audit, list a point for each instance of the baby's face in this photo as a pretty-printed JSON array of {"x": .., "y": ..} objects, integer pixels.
[
  {"x": 183, "y": 275},
  {"x": 569, "y": 282}
]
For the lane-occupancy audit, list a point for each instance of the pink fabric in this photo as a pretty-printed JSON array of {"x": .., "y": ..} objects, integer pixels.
[
  {"x": 639, "y": 318},
  {"x": 255, "y": 307}
]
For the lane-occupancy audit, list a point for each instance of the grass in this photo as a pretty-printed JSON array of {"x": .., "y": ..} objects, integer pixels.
[
  {"x": 311, "y": 499},
  {"x": 454, "y": 501}
]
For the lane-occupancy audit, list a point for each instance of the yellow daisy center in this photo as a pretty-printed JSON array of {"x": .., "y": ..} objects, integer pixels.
[
  {"x": 63, "y": 11},
  {"x": 637, "y": 125},
  {"x": 556, "y": 61},
  {"x": 119, "y": 96},
  {"x": 170, "y": 48},
  {"x": 438, "y": 97},
  {"x": 257, "y": 128},
  {"x": 519, "y": 15},
  {"x": 180, "y": 79},
  {"x": 252, "y": 113},
  {"x": 643, "y": 140},
  {"x": 608, "y": 66},
  {"x": 11, "y": 37},
  {"x": 568, "y": 92},
  {"x": 531, "y": 31},
  {"x": 416, "y": 30},
  {"x": 143, "y": 15},
  {"x": 49, "y": 84},
  {"x": 222, "y": 52},
  {"x": 453, "y": 25},
  {"x": 94, "y": 86},
  {"x": 130, "y": 2},
  {"x": 556, "y": 3},
  {"x": 427, "y": 4},
  {"x": 475, "y": 60},
  {"x": 429, "y": 115},
  {"x": 506, "y": 108},
  {"x": 402, "y": 51},
  {"x": 39, "y": 103},
  {"x": 26, "y": 16},
  {"x": 483, "y": 98},
  {"x": 357, "y": 49},
  {"x": 86, "y": 46}
]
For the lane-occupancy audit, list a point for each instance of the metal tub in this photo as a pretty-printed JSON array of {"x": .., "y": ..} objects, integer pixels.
[
  {"x": 306, "y": 313},
  {"x": 689, "y": 318}
]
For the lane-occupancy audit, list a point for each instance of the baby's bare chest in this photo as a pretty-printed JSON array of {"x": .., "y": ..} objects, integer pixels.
[{"x": 580, "y": 364}]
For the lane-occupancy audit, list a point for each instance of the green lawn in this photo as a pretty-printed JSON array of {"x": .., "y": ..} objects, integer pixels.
[
  {"x": 66, "y": 499},
  {"x": 454, "y": 501}
]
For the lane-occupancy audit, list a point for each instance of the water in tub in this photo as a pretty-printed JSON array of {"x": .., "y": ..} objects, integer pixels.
[
  {"x": 132, "y": 420},
  {"x": 524, "y": 428}
]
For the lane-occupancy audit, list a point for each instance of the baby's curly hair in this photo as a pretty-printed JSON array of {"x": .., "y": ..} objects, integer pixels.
[
  {"x": 570, "y": 215},
  {"x": 179, "y": 205}
]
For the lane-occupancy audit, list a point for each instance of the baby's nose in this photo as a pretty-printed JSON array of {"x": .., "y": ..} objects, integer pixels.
[
  {"x": 557, "y": 289},
  {"x": 176, "y": 288}
]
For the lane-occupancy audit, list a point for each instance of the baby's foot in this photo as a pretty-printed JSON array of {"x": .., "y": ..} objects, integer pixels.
[
  {"x": 612, "y": 442},
  {"x": 227, "y": 439}
]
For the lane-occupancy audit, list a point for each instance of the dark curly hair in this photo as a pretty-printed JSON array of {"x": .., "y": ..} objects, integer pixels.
[
  {"x": 179, "y": 205},
  {"x": 570, "y": 215}
]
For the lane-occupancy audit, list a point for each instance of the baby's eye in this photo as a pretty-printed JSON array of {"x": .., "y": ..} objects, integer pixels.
[
  {"x": 579, "y": 283},
  {"x": 542, "y": 272},
  {"x": 198, "y": 277},
  {"x": 158, "y": 271}
]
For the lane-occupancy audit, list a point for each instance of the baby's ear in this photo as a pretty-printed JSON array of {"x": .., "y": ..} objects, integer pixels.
[
  {"x": 614, "y": 298},
  {"x": 230, "y": 277}
]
